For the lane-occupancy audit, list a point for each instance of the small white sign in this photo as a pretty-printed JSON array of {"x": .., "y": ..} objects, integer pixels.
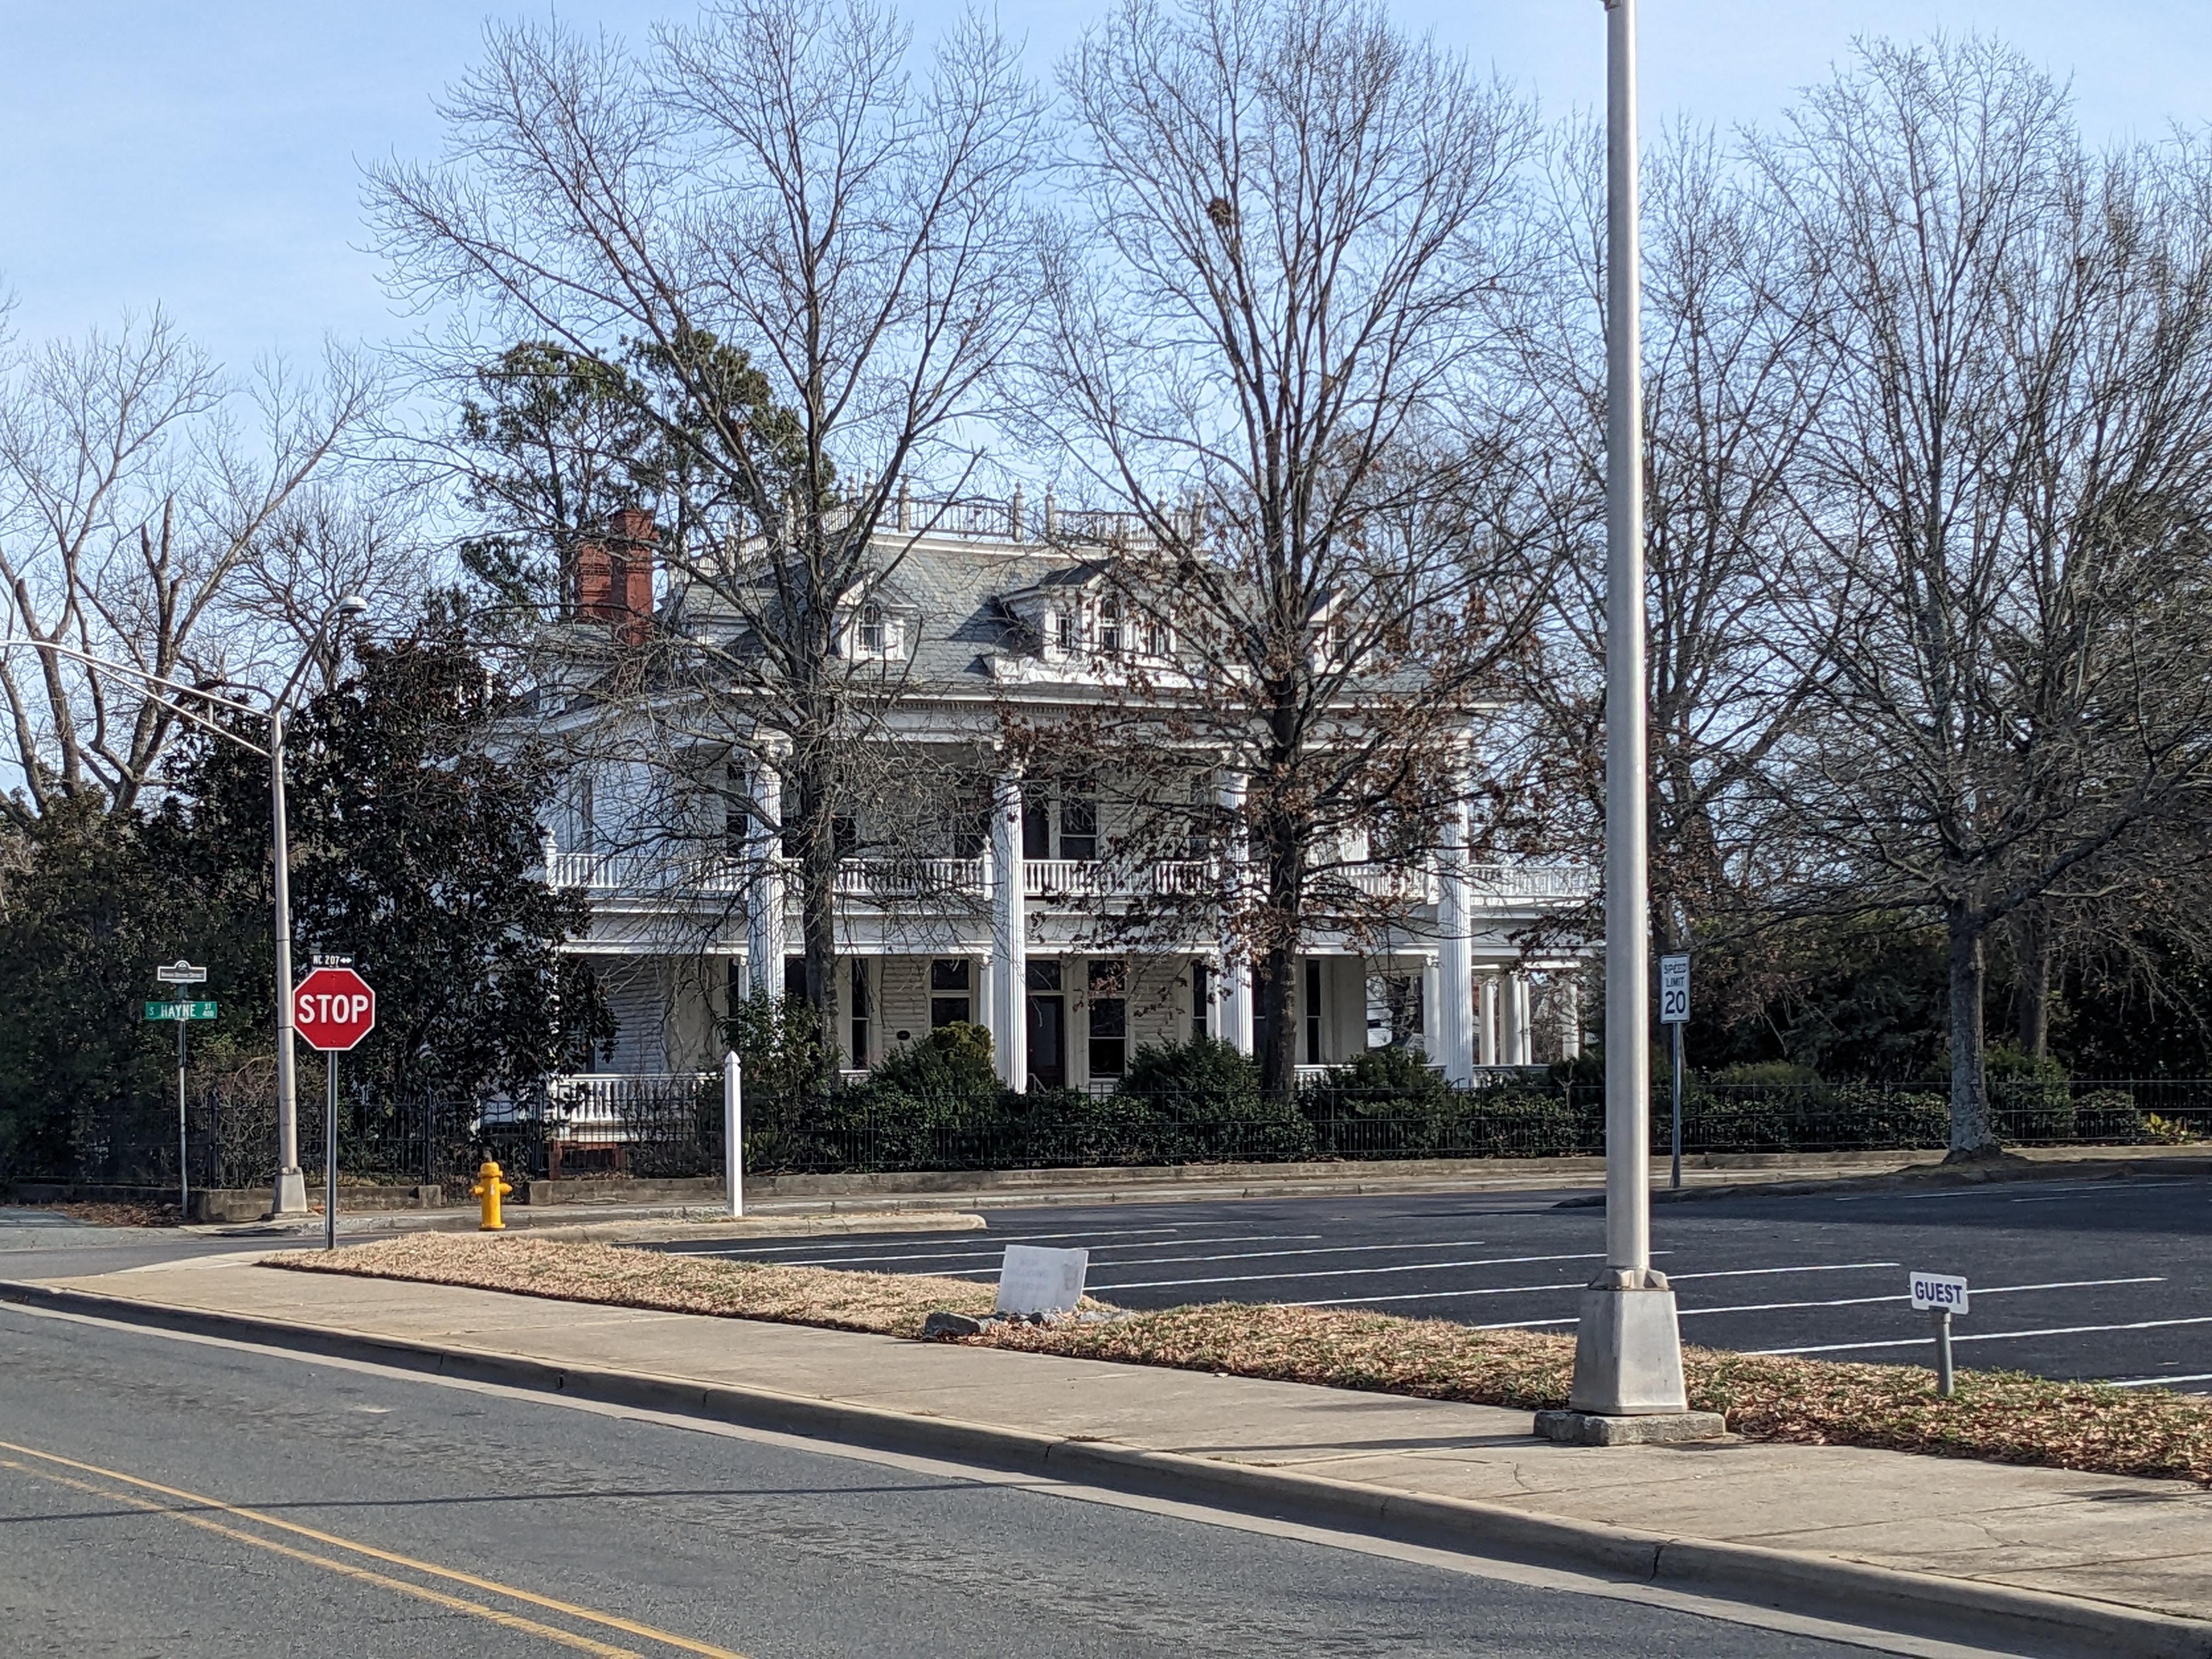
[
  {"x": 179, "y": 973},
  {"x": 1674, "y": 990},
  {"x": 1038, "y": 1281},
  {"x": 1939, "y": 1290}
]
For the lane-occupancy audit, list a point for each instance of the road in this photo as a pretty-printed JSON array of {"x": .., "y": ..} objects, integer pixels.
[
  {"x": 2106, "y": 1279},
  {"x": 168, "y": 1496}
]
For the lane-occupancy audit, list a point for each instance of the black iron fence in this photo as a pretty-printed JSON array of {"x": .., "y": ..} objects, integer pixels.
[{"x": 644, "y": 1127}]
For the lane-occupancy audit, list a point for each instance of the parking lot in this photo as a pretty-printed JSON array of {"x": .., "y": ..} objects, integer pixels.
[{"x": 2109, "y": 1280}]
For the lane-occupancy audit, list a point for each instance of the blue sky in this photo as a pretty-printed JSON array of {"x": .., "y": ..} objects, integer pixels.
[{"x": 206, "y": 157}]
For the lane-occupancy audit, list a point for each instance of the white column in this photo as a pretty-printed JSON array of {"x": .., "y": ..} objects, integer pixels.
[
  {"x": 1487, "y": 1024},
  {"x": 1519, "y": 1049},
  {"x": 1431, "y": 994},
  {"x": 1008, "y": 969},
  {"x": 765, "y": 927},
  {"x": 1236, "y": 994},
  {"x": 1451, "y": 1023},
  {"x": 1570, "y": 1018}
]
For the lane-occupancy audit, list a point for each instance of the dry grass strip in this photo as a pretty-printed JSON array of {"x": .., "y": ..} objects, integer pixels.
[
  {"x": 1998, "y": 1416},
  {"x": 890, "y": 1305},
  {"x": 2003, "y": 1417}
]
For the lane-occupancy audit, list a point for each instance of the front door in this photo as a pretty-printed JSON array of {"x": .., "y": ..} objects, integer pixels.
[{"x": 1048, "y": 1042}]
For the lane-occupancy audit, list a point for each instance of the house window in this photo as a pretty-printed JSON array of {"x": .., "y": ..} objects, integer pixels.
[
  {"x": 873, "y": 634},
  {"x": 1313, "y": 1010},
  {"x": 948, "y": 985},
  {"x": 1202, "y": 993},
  {"x": 794, "y": 979},
  {"x": 1156, "y": 638},
  {"x": 860, "y": 1010},
  {"x": 1079, "y": 820},
  {"x": 1109, "y": 627},
  {"x": 1109, "y": 1019},
  {"x": 1063, "y": 631}
]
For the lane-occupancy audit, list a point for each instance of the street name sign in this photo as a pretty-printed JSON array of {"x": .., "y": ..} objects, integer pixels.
[
  {"x": 1939, "y": 1291},
  {"x": 333, "y": 1009},
  {"x": 1674, "y": 990},
  {"x": 180, "y": 972},
  {"x": 180, "y": 1011}
]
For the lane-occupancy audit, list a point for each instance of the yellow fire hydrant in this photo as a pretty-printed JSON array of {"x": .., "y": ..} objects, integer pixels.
[{"x": 490, "y": 1188}]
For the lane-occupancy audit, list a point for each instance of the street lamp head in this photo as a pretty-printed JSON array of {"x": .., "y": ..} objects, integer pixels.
[{"x": 352, "y": 605}]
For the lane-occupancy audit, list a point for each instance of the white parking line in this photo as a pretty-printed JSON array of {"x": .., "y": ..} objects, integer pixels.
[
  {"x": 1440, "y": 1296},
  {"x": 2162, "y": 1382},
  {"x": 1012, "y": 1238},
  {"x": 1861, "y": 1301},
  {"x": 1758, "y": 1272},
  {"x": 991, "y": 1250},
  {"x": 1995, "y": 1336},
  {"x": 2071, "y": 1188},
  {"x": 1329, "y": 1273}
]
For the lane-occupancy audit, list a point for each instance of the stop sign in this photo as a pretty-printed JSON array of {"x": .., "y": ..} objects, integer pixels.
[{"x": 334, "y": 1008}]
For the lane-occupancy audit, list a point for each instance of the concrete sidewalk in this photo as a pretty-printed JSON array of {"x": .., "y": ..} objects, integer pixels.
[{"x": 2023, "y": 1560}]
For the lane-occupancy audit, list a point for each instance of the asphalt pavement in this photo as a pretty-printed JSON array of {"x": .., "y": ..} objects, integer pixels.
[
  {"x": 170, "y": 1496},
  {"x": 2108, "y": 1278}
]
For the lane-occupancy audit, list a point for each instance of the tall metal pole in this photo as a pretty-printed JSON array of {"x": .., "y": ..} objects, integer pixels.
[
  {"x": 1628, "y": 1352},
  {"x": 184, "y": 1165},
  {"x": 1627, "y": 928},
  {"x": 291, "y": 1196}
]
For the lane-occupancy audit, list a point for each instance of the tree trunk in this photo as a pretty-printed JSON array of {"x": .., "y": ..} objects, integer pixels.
[
  {"x": 2031, "y": 1001},
  {"x": 1973, "y": 1134}
]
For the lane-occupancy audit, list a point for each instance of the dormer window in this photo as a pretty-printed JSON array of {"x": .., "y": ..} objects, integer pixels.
[
  {"x": 1063, "y": 631},
  {"x": 873, "y": 633},
  {"x": 1109, "y": 627}
]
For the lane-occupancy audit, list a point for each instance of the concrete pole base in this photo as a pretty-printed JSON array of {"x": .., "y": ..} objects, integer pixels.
[
  {"x": 291, "y": 1195},
  {"x": 1574, "y": 1428},
  {"x": 1628, "y": 1348}
]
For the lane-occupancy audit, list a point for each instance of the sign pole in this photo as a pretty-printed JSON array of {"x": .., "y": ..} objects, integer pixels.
[
  {"x": 330, "y": 1153},
  {"x": 184, "y": 1163},
  {"x": 181, "y": 972},
  {"x": 1676, "y": 1070},
  {"x": 1943, "y": 1352}
]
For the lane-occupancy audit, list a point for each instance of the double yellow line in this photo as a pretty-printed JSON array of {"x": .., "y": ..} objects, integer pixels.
[{"x": 190, "y": 1508}]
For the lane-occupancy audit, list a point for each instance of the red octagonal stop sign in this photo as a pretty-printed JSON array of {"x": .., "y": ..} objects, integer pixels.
[{"x": 334, "y": 1008}]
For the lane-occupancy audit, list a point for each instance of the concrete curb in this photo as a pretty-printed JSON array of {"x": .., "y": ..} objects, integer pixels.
[{"x": 2008, "y": 1618}]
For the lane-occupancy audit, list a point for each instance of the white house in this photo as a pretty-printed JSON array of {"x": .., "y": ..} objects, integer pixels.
[{"x": 1006, "y": 914}]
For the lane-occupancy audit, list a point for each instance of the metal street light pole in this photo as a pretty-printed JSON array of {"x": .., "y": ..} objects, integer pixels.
[
  {"x": 1628, "y": 1351},
  {"x": 291, "y": 1194}
]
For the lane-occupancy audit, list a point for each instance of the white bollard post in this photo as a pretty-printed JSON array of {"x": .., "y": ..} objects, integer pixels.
[{"x": 733, "y": 1132}]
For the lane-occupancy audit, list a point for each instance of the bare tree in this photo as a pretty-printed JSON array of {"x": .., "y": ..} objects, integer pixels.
[
  {"x": 138, "y": 487},
  {"x": 1727, "y": 401},
  {"x": 814, "y": 258},
  {"x": 2007, "y": 509},
  {"x": 1256, "y": 338}
]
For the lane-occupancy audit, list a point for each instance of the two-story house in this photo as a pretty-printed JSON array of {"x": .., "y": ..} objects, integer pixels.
[{"x": 969, "y": 891}]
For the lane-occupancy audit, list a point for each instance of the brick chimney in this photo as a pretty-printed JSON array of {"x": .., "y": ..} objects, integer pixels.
[{"x": 614, "y": 575}]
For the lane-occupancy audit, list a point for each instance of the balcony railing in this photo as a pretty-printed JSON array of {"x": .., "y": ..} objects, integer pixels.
[
  {"x": 1495, "y": 884},
  {"x": 1064, "y": 879}
]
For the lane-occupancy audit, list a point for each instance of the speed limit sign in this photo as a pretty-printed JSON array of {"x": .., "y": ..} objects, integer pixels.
[{"x": 1674, "y": 990}]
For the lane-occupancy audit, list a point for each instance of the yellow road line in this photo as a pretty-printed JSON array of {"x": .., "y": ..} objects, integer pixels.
[
  {"x": 510, "y": 1620},
  {"x": 610, "y": 1621}
]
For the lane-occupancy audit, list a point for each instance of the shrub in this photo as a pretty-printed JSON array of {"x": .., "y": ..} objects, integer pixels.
[{"x": 1203, "y": 1105}]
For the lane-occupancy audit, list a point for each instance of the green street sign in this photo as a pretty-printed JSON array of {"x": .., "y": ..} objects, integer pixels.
[{"x": 180, "y": 1011}]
